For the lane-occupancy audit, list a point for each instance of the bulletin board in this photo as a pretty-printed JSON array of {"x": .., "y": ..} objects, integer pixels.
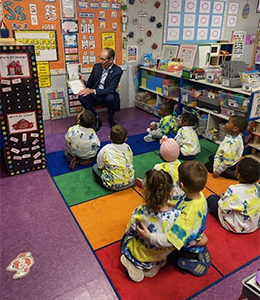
[
  {"x": 21, "y": 110},
  {"x": 31, "y": 17},
  {"x": 193, "y": 20},
  {"x": 50, "y": 20}
]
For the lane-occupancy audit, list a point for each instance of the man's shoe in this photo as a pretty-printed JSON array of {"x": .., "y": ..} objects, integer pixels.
[
  {"x": 98, "y": 124},
  {"x": 112, "y": 123}
]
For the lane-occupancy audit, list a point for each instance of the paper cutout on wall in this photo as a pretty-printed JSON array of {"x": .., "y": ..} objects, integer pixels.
[
  {"x": 205, "y": 7},
  {"x": 245, "y": 12},
  {"x": 188, "y": 34},
  {"x": 231, "y": 21},
  {"x": 190, "y": 6},
  {"x": 174, "y": 20},
  {"x": 173, "y": 34},
  {"x": 202, "y": 34},
  {"x": 175, "y": 5},
  {"x": 203, "y": 21},
  {"x": 215, "y": 34},
  {"x": 233, "y": 8},
  {"x": 189, "y": 20},
  {"x": 216, "y": 21},
  {"x": 218, "y": 7}
]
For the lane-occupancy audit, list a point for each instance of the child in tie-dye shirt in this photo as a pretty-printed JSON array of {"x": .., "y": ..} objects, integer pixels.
[
  {"x": 167, "y": 125},
  {"x": 238, "y": 209},
  {"x": 230, "y": 150},
  {"x": 190, "y": 224},
  {"x": 139, "y": 257},
  {"x": 187, "y": 137},
  {"x": 82, "y": 141},
  {"x": 114, "y": 167},
  {"x": 169, "y": 152}
]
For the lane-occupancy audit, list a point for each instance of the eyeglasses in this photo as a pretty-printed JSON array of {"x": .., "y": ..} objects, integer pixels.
[{"x": 103, "y": 59}]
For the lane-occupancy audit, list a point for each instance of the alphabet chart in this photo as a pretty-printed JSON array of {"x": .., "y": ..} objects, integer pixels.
[{"x": 193, "y": 20}]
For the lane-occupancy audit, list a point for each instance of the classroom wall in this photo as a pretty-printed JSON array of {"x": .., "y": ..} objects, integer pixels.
[
  {"x": 250, "y": 25},
  {"x": 139, "y": 26}
]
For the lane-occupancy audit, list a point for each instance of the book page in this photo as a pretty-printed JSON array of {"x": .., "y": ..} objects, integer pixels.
[
  {"x": 76, "y": 86},
  {"x": 73, "y": 71}
]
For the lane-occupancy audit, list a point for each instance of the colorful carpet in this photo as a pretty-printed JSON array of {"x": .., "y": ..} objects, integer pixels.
[{"x": 103, "y": 216}]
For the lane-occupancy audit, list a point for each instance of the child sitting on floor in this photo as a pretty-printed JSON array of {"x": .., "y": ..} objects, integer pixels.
[
  {"x": 139, "y": 257},
  {"x": 82, "y": 141},
  {"x": 190, "y": 224},
  {"x": 166, "y": 126},
  {"x": 187, "y": 137},
  {"x": 114, "y": 167},
  {"x": 169, "y": 152},
  {"x": 238, "y": 209},
  {"x": 229, "y": 151}
]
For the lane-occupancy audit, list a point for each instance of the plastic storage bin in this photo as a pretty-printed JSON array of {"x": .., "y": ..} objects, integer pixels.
[
  {"x": 189, "y": 96},
  {"x": 170, "y": 88},
  {"x": 236, "y": 102}
]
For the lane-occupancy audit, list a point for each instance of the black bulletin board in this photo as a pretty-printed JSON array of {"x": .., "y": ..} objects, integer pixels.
[{"x": 21, "y": 110}]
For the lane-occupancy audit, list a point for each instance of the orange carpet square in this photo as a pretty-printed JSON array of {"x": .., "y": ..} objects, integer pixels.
[
  {"x": 220, "y": 184},
  {"x": 104, "y": 219}
]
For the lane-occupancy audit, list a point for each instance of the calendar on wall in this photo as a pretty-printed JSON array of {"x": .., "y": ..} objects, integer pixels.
[
  {"x": 21, "y": 110},
  {"x": 193, "y": 20}
]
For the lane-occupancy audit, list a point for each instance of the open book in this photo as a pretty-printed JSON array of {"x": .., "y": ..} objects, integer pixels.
[{"x": 74, "y": 82}]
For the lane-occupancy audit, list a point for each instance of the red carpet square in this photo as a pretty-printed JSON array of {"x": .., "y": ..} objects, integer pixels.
[{"x": 169, "y": 283}]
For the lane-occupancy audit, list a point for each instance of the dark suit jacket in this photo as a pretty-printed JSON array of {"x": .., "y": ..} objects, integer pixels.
[{"x": 111, "y": 82}]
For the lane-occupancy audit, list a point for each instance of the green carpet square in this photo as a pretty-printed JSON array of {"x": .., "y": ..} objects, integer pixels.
[
  {"x": 209, "y": 146},
  {"x": 79, "y": 186},
  {"x": 144, "y": 162}
]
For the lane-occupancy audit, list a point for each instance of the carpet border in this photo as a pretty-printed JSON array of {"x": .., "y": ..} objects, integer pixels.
[{"x": 223, "y": 278}]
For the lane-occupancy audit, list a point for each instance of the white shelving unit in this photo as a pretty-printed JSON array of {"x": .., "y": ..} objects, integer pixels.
[{"x": 214, "y": 118}]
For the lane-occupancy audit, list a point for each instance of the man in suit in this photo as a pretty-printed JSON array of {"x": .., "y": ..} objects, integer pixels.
[{"x": 101, "y": 87}]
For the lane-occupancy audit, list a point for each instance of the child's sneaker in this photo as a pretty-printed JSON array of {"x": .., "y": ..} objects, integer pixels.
[
  {"x": 74, "y": 163},
  {"x": 148, "y": 138},
  {"x": 205, "y": 256},
  {"x": 139, "y": 182},
  {"x": 152, "y": 272},
  {"x": 85, "y": 162},
  {"x": 135, "y": 274},
  {"x": 196, "y": 267}
]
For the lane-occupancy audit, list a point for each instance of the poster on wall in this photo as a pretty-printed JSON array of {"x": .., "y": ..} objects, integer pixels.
[
  {"x": 108, "y": 40},
  {"x": 44, "y": 42},
  {"x": 22, "y": 122},
  {"x": 14, "y": 65},
  {"x": 239, "y": 39},
  {"x": 132, "y": 53}
]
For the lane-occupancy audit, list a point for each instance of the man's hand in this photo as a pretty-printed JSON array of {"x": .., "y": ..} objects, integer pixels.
[
  {"x": 86, "y": 92},
  {"x": 215, "y": 175},
  {"x": 143, "y": 232}
]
